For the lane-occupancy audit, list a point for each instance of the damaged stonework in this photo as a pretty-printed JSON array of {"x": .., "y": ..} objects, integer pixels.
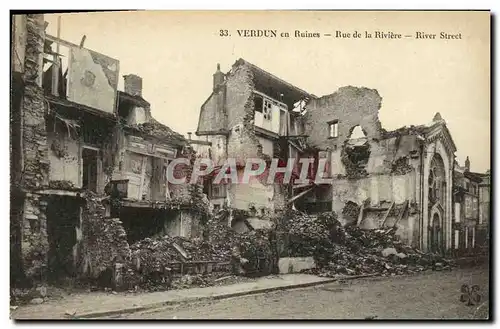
[
  {"x": 35, "y": 244},
  {"x": 381, "y": 172},
  {"x": 104, "y": 240},
  {"x": 36, "y": 165},
  {"x": 248, "y": 115},
  {"x": 349, "y": 106}
]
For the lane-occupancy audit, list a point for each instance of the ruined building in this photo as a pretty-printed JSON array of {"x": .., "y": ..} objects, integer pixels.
[
  {"x": 377, "y": 178},
  {"x": 471, "y": 209},
  {"x": 88, "y": 161},
  {"x": 249, "y": 115}
]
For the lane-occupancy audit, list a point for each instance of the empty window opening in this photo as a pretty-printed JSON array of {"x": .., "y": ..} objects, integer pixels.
[
  {"x": 333, "y": 128},
  {"x": 90, "y": 159},
  {"x": 258, "y": 102},
  {"x": 268, "y": 110},
  {"x": 55, "y": 69}
]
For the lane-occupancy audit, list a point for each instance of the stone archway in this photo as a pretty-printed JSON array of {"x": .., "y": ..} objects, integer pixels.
[{"x": 437, "y": 196}]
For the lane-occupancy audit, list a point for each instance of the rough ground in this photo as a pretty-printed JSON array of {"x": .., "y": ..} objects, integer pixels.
[{"x": 430, "y": 295}]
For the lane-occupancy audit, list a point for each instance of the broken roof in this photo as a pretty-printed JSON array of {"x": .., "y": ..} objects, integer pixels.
[
  {"x": 477, "y": 177},
  {"x": 134, "y": 99},
  {"x": 273, "y": 86},
  {"x": 422, "y": 130},
  {"x": 156, "y": 129}
]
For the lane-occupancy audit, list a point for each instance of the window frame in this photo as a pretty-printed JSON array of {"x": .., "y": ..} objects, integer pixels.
[{"x": 335, "y": 125}]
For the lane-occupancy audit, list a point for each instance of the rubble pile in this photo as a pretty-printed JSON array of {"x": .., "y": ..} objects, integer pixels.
[
  {"x": 312, "y": 235},
  {"x": 376, "y": 251},
  {"x": 255, "y": 248},
  {"x": 199, "y": 249},
  {"x": 105, "y": 241},
  {"x": 221, "y": 236}
]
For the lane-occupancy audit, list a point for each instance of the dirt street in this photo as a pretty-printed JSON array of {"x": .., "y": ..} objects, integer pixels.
[{"x": 432, "y": 295}]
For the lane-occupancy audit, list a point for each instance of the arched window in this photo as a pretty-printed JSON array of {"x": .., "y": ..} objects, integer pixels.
[{"x": 437, "y": 180}]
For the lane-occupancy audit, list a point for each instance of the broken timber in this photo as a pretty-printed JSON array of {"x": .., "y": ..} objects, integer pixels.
[
  {"x": 300, "y": 195},
  {"x": 361, "y": 213},
  {"x": 387, "y": 214},
  {"x": 403, "y": 211}
]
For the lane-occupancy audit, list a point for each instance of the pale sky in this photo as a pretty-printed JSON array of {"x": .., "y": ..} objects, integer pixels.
[{"x": 176, "y": 54}]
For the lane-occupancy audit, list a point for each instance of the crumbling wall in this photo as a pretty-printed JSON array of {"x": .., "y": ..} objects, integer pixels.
[
  {"x": 104, "y": 240},
  {"x": 215, "y": 152},
  {"x": 114, "y": 148},
  {"x": 35, "y": 150},
  {"x": 376, "y": 188},
  {"x": 213, "y": 115},
  {"x": 34, "y": 244},
  {"x": 251, "y": 194},
  {"x": 64, "y": 159},
  {"x": 242, "y": 142},
  {"x": 351, "y": 106}
]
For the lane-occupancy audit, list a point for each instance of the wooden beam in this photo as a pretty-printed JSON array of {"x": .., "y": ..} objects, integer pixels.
[
  {"x": 387, "y": 214},
  {"x": 300, "y": 195},
  {"x": 405, "y": 207},
  {"x": 61, "y": 41},
  {"x": 301, "y": 186},
  {"x": 361, "y": 214},
  {"x": 212, "y": 132}
]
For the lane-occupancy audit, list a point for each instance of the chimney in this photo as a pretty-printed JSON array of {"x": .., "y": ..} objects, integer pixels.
[
  {"x": 133, "y": 84},
  {"x": 467, "y": 164},
  {"x": 189, "y": 135},
  {"x": 218, "y": 77}
]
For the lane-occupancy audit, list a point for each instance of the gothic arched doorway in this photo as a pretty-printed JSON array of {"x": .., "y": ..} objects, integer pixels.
[
  {"x": 435, "y": 231},
  {"x": 437, "y": 202}
]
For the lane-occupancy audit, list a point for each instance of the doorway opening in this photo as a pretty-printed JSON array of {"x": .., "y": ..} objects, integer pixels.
[
  {"x": 63, "y": 219},
  {"x": 435, "y": 234},
  {"x": 90, "y": 160}
]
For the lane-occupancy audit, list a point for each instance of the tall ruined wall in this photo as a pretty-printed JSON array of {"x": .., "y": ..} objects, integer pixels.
[
  {"x": 242, "y": 142},
  {"x": 351, "y": 106},
  {"x": 35, "y": 150}
]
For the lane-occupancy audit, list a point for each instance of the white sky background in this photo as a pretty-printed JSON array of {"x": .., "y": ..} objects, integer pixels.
[{"x": 176, "y": 54}]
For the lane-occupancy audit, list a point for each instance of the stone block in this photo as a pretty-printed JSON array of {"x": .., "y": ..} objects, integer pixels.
[{"x": 295, "y": 264}]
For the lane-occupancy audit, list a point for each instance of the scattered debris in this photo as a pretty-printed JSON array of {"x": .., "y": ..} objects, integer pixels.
[
  {"x": 376, "y": 251},
  {"x": 36, "y": 301}
]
